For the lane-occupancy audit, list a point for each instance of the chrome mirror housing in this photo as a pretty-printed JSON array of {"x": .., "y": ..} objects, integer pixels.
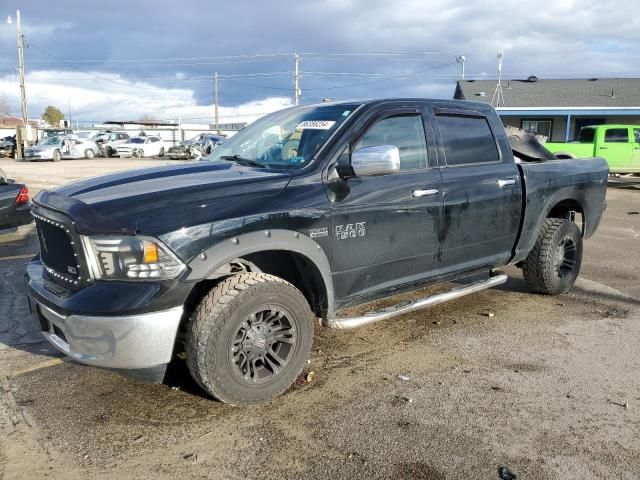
[{"x": 377, "y": 160}]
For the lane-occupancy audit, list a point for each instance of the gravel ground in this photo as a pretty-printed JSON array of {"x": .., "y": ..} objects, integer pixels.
[{"x": 547, "y": 387}]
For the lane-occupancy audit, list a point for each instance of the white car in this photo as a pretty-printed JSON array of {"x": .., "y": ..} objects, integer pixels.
[{"x": 151, "y": 146}]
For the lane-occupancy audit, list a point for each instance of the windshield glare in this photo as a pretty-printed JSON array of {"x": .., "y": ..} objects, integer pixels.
[{"x": 285, "y": 139}]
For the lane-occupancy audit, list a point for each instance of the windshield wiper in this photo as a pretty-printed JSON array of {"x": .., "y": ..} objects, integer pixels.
[{"x": 242, "y": 161}]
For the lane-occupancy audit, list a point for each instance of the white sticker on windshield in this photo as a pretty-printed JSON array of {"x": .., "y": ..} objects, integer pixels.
[{"x": 316, "y": 125}]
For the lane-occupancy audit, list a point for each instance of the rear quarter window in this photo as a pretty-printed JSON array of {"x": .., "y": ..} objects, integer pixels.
[{"x": 467, "y": 140}]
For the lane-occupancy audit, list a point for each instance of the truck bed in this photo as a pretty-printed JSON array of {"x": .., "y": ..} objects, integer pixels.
[{"x": 549, "y": 183}]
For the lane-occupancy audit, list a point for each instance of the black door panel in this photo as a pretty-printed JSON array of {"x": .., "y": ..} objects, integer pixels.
[
  {"x": 383, "y": 234},
  {"x": 482, "y": 194}
]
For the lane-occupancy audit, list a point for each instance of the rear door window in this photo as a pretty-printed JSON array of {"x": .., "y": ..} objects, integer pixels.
[
  {"x": 467, "y": 140},
  {"x": 616, "y": 135}
]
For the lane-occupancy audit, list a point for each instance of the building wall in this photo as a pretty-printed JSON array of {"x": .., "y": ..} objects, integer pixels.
[
  {"x": 557, "y": 128},
  {"x": 559, "y": 123}
]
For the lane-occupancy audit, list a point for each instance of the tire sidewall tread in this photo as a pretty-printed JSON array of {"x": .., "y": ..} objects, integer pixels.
[
  {"x": 216, "y": 315},
  {"x": 539, "y": 269}
]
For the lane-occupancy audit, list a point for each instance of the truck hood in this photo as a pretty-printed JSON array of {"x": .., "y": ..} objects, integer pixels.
[{"x": 133, "y": 196}]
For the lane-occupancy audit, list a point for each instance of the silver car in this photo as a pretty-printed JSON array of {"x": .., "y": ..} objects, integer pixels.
[{"x": 56, "y": 148}]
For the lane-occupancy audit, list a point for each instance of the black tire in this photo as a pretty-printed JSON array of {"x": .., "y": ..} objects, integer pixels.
[
  {"x": 89, "y": 154},
  {"x": 554, "y": 263},
  {"x": 216, "y": 342},
  {"x": 57, "y": 156},
  {"x": 161, "y": 152}
]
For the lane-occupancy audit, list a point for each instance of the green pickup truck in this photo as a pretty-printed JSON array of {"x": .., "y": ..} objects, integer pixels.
[{"x": 619, "y": 145}]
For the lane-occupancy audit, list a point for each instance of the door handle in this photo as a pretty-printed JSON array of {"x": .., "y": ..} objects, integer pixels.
[
  {"x": 603, "y": 148},
  {"x": 424, "y": 193},
  {"x": 504, "y": 183}
]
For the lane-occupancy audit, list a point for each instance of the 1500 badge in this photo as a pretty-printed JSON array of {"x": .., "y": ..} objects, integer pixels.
[{"x": 351, "y": 230}]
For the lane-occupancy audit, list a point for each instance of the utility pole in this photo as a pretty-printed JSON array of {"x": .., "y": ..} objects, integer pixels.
[
  {"x": 215, "y": 100},
  {"x": 296, "y": 79},
  {"x": 23, "y": 93}
]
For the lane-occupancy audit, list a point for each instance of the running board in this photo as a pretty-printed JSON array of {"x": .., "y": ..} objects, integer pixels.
[{"x": 496, "y": 278}]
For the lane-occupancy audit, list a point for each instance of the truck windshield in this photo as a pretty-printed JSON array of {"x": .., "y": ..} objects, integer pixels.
[
  {"x": 587, "y": 135},
  {"x": 286, "y": 139}
]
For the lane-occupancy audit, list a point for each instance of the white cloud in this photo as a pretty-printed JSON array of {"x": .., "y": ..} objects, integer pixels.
[
  {"x": 562, "y": 38},
  {"x": 110, "y": 97}
]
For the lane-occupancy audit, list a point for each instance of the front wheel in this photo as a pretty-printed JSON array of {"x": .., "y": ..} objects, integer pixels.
[
  {"x": 57, "y": 156},
  {"x": 88, "y": 153},
  {"x": 249, "y": 339},
  {"x": 554, "y": 263}
]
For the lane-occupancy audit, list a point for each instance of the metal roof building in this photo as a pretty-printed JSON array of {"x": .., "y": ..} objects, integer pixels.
[{"x": 559, "y": 108}]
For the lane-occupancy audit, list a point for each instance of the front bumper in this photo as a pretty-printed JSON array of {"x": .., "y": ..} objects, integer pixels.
[
  {"x": 38, "y": 155},
  {"x": 135, "y": 342}
]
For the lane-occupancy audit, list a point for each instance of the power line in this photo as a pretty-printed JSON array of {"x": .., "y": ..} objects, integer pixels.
[
  {"x": 99, "y": 77},
  {"x": 393, "y": 77}
]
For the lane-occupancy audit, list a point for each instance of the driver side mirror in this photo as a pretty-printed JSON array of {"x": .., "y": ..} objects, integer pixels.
[{"x": 377, "y": 160}]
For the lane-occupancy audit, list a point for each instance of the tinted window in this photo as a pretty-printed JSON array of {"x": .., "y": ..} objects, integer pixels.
[
  {"x": 467, "y": 140},
  {"x": 403, "y": 131},
  {"x": 616, "y": 135},
  {"x": 636, "y": 134},
  {"x": 587, "y": 135}
]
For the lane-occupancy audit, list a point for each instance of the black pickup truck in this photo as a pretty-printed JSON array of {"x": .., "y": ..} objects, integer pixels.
[{"x": 305, "y": 212}]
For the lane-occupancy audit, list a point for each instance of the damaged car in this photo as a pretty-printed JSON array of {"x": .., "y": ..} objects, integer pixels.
[{"x": 57, "y": 148}]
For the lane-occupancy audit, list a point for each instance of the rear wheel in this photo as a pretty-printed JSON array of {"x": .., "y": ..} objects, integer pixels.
[
  {"x": 57, "y": 156},
  {"x": 161, "y": 152},
  {"x": 249, "y": 339},
  {"x": 554, "y": 263}
]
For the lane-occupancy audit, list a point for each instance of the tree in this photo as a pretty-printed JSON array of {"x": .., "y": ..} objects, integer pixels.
[
  {"x": 146, "y": 118},
  {"x": 52, "y": 115}
]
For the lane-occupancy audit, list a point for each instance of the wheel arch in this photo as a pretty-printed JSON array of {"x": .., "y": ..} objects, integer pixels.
[
  {"x": 567, "y": 209},
  {"x": 287, "y": 254}
]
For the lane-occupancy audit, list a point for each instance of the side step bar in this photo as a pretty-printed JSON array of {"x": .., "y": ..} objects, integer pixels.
[{"x": 495, "y": 279}]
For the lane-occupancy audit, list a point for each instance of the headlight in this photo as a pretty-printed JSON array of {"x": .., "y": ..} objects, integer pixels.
[{"x": 131, "y": 258}]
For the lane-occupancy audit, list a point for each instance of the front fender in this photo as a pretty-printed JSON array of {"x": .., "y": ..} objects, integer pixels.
[{"x": 212, "y": 258}]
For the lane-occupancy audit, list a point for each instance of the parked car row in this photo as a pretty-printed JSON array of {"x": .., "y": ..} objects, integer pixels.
[{"x": 108, "y": 144}]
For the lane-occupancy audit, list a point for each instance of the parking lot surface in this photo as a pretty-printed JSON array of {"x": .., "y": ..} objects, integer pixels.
[{"x": 545, "y": 386}]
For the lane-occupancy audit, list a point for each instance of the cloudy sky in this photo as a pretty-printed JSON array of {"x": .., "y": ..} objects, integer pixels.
[{"x": 121, "y": 59}]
